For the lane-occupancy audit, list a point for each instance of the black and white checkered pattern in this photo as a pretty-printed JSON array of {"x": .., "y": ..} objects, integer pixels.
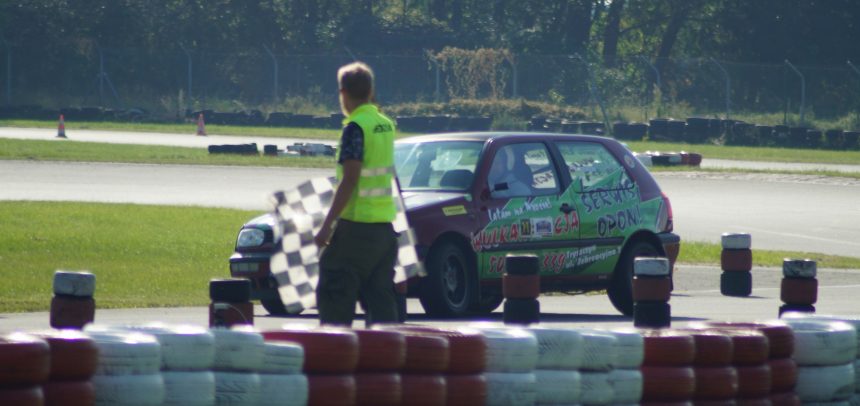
[{"x": 299, "y": 214}]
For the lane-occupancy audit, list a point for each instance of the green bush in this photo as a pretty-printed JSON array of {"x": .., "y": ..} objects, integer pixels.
[{"x": 511, "y": 110}]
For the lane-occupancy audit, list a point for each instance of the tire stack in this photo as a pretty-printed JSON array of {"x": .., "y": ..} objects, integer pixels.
[
  {"x": 667, "y": 370},
  {"x": 736, "y": 263},
  {"x": 331, "y": 357},
  {"x": 129, "y": 369},
  {"x": 427, "y": 359},
  {"x": 25, "y": 362},
  {"x": 73, "y": 305},
  {"x": 625, "y": 377},
  {"x": 281, "y": 380},
  {"x": 716, "y": 377},
  {"x": 521, "y": 288},
  {"x": 381, "y": 355},
  {"x": 231, "y": 303},
  {"x": 750, "y": 358},
  {"x": 799, "y": 288},
  {"x": 238, "y": 356},
  {"x": 652, "y": 288},
  {"x": 598, "y": 358},
  {"x": 559, "y": 358},
  {"x": 74, "y": 357},
  {"x": 512, "y": 356},
  {"x": 825, "y": 352}
]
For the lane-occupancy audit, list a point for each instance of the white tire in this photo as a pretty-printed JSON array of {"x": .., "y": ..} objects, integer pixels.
[
  {"x": 183, "y": 348},
  {"x": 237, "y": 350},
  {"x": 510, "y": 349},
  {"x": 237, "y": 388},
  {"x": 651, "y": 266},
  {"x": 626, "y": 385},
  {"x": 283, "y": 390},
  {"x": 128, "y": 390},
  {"x": 127, "y": 353},
  {"x": 189, "y": 388},
  {"x": 511, "y": 389},
  {"x": 629, "y": 349},
  {"x": 823, "y": 342},
  {"x": 282, "y": 358},
  {"x": 598, "y": 352},
  {"x": 596, "y": 389},
  {"x": 736, "y": 241},
  {"x": 824, "y": 384},
  {"x": 557, "y": 387},
  {"x": 78, "y": 284},
  {"x": 799, "y": 268},
  {"x": 852, "y": 320},
  {"x": 558, "y": 348}
]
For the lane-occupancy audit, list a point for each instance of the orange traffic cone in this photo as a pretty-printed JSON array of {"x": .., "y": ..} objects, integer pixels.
[
  {"x": 61, "y": 128},
  {"x": 201, "y": 126}
]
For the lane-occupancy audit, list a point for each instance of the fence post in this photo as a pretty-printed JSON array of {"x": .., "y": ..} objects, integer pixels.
[
  {"x": 274, "y": 74},
  {"x": 190, "y": 77},
  {"x": 103, "y": 77},
  {"x": 802, "y": 89},
  {"x": 593, "y": 89},
  {"x": 728, "y": 87},
  {"x": 515, "y": 80},
  {"x": 656, "y": 76}
]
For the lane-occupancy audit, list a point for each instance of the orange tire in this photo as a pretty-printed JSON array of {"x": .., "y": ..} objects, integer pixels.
[
  {"x": 380, "y": 350},
  {"x": 426, "y": 353},
  {"x": 785, "y": 399},
  {"x": 668, "y": 383},
  {"x": 327, "y": 350},
  {"x": 466, "y": 390},
  {"x": 331, "y": 390},
  {"x": 797, "y": 291},
  {"x": 754, "y": 382},
  {"x": 695, "y": 159},
  {"x": 378, "y": 389},
  {"x": 736, "y": 260},
  {"x": 31, "y": 396},
  {"x": 467, "y": 349},
  {"x": 69, "y": 393},
  {"x": 668, "y": 348},
  {"x": 783, "y": 374},
  {"x": 750, "y": 347},
  {"x": 74, "y": 355},
  {"x": 713, "y": 348},
  {"x": 651, "y": 289},
  {"x": 72, "y": 312},
  {"x": 520, "y": 286},
  {"x": 24, "y": 360},
  {"x": 424, "y": 390},
  {"x": 717, "y": 383},
  {"x": 780, "y": 336}
]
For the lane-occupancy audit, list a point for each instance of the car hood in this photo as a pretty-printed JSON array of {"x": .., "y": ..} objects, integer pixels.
[{"x": 417, "y": 200}]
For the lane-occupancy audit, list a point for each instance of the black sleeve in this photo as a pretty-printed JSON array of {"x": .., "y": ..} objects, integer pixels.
[{"x": 351, "y": 143}]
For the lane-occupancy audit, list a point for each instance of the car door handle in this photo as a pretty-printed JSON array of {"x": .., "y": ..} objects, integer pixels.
[{"x": 566, "y": 208}]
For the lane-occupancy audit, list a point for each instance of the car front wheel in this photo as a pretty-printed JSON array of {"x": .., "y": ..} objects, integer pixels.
[
  {"x": 276, "y": 308},
  {"x": 447, "y": 289},
  {"x": 621, "y": 286}
]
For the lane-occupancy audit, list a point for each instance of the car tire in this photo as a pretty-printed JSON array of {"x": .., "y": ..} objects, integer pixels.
[
  {"x": 621, "y": 286},
  {"x": 447, "y": 290},
  {"x": 275, "y": 307},
  {"x": 488, "y": 303}
]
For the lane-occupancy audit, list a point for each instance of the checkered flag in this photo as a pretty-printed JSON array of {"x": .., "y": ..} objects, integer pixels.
[{"x": 299, "y": 214}]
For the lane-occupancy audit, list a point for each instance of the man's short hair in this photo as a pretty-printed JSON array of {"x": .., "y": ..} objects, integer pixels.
[{"x": 356, "y": 80}]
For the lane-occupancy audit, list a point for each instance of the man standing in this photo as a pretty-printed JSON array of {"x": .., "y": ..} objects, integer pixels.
[{"x": 359, "y": 256}]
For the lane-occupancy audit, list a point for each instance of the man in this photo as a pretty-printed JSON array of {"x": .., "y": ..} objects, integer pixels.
[
  {"x": 504, "y": 171},
  {"x": 359, "y": 256}
]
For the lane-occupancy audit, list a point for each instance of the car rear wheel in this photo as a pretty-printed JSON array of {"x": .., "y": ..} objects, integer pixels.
[
  {"x": 447, "y": 290},
  {"x": 276, "y": 308},
  {"x": 621, "y": 286}
]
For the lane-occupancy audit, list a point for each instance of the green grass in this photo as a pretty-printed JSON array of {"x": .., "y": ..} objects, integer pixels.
[
  {"x": 709, "y": 254},
  {"x": 851, "y": 175},
  {"x": 768, "y": 154}
]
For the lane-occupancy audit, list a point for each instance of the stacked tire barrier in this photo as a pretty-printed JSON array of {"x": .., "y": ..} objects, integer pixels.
[
  {"x": 381, "y": 356},
  {"x": 716, "y": 377},
  {"x": 238, "y": 358},
  {"x": 129, "y": 369},
  {"x": 512, "y": 356},
  {"x": 25, "y": 362},
  {"x": 598, "y": 357},
  {"x": 667, "y": 368},
  {"x": 799, "y": 287},
  {"x": 427, "y": 358},
  {"x": 521, "y": 288},
  {"x": 736, "y": 263},
  {"x": 73, "y": 305},
  {"x": 825, "y": 352},
  {"x": 652, "y": 288},
  {"x": 73, "y": 360},
  {"x": 625, "y": 378},
  {"x": 557, "y": 377},
  {"x": 281, "y": 380},
  {"x": 230, "y": 303}
]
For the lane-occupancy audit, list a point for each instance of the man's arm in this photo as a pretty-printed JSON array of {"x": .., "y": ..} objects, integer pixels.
[{"x": 351, "y": 173}]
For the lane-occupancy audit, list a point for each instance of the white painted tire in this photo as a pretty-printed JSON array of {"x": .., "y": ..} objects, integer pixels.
[
  {"x": 736, "y": 241},
  {"x": 596, "y": 389},
  {"x": 128, "y": 390},
  {"x": 629, "y": 349},
  {"x": 183, "y": 348},
  {"x": 127, "y": 353},
  {"x": 626, "y": 386},
  {"x": 799, "y": 268},
  {"x": 825, "y": 383},
  {"x": 510, "y": 349},
  {"x": 821, "y": 343},
  {"x": 189, "y": 388},
  {"x": 651, "y": 266},
  {"x": 282, "y": 358},
  {"x": 237, "y": 388},
  {"x": 852, "y": 320},
  {"x": 598, "y": 351},
  {"x": 283, "y": 390},
  {"x": 78, "y": 284},
  {"x": 237, "y": 350},
  {"x": 558, "y": 348},
  {"x": 557, "y": 387},
  {"x": 511, "y": 389}
]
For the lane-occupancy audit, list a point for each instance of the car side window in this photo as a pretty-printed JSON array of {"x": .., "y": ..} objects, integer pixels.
[
  {"x": 592, "y": 166},
  {"x": 522, "y": 170}
]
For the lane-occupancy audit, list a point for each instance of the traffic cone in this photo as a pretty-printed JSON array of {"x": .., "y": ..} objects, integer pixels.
[
  {"x": 201, "y": 126},
  {"x": 61, "y": 128}
]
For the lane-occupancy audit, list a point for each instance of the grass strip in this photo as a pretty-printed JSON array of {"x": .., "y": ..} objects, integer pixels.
[
  {"x": 159, "y": 256},
  {"x": 835, "y": 174}
]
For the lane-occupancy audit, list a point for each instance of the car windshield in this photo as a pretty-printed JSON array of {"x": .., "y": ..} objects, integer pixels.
[{"x": 436, "y": 165}]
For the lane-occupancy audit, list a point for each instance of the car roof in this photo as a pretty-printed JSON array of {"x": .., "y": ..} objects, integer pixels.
[{"x": 507, "y": 135}]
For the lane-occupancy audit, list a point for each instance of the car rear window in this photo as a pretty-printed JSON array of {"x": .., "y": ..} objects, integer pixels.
[
  {"x": 593, "y": 167},
  {"x": 436, "y": 165}
]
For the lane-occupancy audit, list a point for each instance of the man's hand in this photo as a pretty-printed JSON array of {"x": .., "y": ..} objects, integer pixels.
[{"x": 323, "y": 236}]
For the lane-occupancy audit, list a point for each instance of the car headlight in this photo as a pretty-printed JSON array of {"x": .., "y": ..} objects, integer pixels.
[{"x": 250, "y": 237}]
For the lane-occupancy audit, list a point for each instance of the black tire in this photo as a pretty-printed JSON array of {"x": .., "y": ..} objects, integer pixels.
[
  {"x": 652, "y": 315},
  {"x": 234, "y": 290},
  {"x": 738, "y": 284},
  {"x": 796, "y": 308},
  {"x": 621, "y": 286},
  {"x": 276, "y": 308},
  {"x": 521, "y": 311},
  {"x": 448, "y": 288},
  {"x": 522, "y": 264},
  {"x": 488, "y": 303}
]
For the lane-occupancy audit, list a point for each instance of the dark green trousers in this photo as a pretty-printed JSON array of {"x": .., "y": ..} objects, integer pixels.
[{"x": 358, "y": 264}]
